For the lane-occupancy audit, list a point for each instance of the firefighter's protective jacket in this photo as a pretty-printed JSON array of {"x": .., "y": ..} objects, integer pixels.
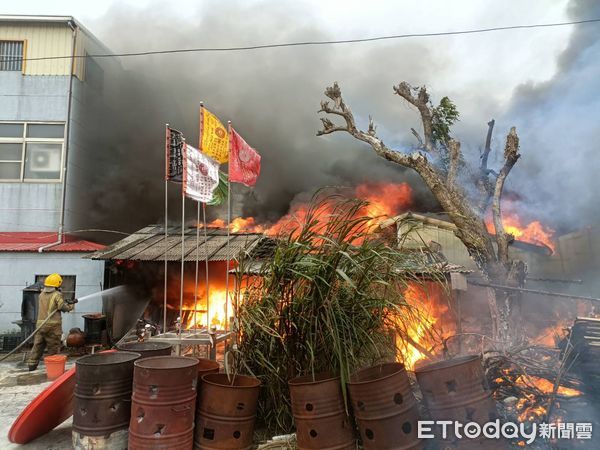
[{"x": 50, "y": 300}]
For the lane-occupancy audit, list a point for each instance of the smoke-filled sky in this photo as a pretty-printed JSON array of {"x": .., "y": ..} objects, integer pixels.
[{"x": 544, "y": 81}]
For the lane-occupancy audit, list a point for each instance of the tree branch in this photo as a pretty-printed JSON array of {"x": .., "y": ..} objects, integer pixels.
[
  {"x": 488, "y": 146},
  {"x": 484, "y": 184},
  {"x": 417, "y": 136},
  {"x": 339, "y": 108},
  {"x": 511, "y": 155},
  {"x": 455, "y": 158},
  {"x": 421, "y": 102}
]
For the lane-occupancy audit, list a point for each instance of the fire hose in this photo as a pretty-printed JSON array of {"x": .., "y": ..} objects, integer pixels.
[{"x": 27, "y": 339}]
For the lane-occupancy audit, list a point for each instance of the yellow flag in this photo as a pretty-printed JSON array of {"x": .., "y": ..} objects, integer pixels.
[{"x": 214, "y": 138}]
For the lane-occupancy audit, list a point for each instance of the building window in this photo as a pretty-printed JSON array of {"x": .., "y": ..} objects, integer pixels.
[
  {"x": 68, "y": 285},
  {"x": 31, "y": 151},
  {"x": 11, "y": 55}
]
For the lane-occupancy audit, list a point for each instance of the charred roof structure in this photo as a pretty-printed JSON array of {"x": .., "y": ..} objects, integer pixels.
[{"x": 150, "y": 244}]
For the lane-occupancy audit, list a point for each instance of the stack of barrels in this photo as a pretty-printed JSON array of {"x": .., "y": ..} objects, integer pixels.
[
  {"x": 385, "y": 410},
  {"x": 141, "y": 397}
]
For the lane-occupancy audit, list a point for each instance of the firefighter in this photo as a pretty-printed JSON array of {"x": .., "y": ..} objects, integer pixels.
[{"x": 51, "y": 302}]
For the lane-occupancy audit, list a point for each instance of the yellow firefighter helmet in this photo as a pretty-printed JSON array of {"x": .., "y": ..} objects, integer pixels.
[{"x": 53, "y": 280}]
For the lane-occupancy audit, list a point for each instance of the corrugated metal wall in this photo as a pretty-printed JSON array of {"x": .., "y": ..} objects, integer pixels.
[
  {"x": 42, "y": 40},
  {"x": 415, "y": 234}
]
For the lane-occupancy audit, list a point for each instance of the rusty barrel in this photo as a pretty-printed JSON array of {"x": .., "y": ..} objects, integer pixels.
[
  {"x": 456, "y": 390},
  {"x": 147, "y": 349},
  {"x": 163, "y": 403},
  {"x": 385, "y": 408},
  {"x": 319, "y": 413},
  {"x": 205, "y": 366},
  {"x": 226, "y": 412},
  {"x": 102, "y": 398}
]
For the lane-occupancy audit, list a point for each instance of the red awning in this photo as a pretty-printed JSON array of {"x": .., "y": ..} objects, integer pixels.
[{"x": 19, "y": 241}]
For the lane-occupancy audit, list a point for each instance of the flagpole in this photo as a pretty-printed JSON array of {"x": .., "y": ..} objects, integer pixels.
[
  {"x": 167, "y": 151},
  {"x": 197, "y": 258},
  {"x": 182, "y": 252},
  {"x": 206, "y": 267},
  {"x": 197, "y": 229},
  {"x": 207, "y": 289},
  {"x": 228, "y": 226}
]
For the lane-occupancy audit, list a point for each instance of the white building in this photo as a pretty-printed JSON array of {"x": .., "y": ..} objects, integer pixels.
[{"x": 48, "y": 86}]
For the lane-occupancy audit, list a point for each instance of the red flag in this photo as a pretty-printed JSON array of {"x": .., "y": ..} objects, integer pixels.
[{"x": 244, "y": 161}]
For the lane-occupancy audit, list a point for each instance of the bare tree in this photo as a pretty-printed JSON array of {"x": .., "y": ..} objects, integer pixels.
[{"x": 439, "y": 161}]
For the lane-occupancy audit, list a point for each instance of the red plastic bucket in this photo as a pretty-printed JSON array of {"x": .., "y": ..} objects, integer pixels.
[{"x": 55, "y": 366}]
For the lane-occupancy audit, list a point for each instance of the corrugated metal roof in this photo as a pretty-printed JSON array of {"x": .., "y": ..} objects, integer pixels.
[
  {"x": 149, "y": 244},
  {"x": 32, "y": 241}
]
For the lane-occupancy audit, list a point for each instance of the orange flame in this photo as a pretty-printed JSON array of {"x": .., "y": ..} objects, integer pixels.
[
  {"x": 534, "y": 232},
  {"x": 428, "y": 325},
  {"x": 198, "y": 311},
  {"x": 546, "y": 386},
  {"x": 216, "y": 308},
  {"x": 529, "y": 409},
  {"x": 385, "y": 200}
]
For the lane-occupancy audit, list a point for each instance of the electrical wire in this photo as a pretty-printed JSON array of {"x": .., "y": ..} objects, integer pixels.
[{"x": 317, "y": 43}]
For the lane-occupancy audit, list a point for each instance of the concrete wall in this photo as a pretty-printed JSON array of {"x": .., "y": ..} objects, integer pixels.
[
  {"x": 31, "y": 206},
  {"x": 25, "y": 97},
  {"x": 93, "y": 146},
  {"x": 18, "y": 270},
  {"x": 41, "y": 93}
]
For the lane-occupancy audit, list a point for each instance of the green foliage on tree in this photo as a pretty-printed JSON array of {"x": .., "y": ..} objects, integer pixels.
[{"x": 443, "y": 117}]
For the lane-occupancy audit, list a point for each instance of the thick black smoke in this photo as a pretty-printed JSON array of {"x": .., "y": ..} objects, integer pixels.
[
  {"x": 272, "y": 97},
  {"x": 557, "y": 120}
]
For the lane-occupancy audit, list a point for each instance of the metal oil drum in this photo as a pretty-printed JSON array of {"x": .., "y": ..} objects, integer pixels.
[
  {"x": 385, "y": 408},
  {"x": 456, "y": 390},
  {"x": 163, "y": 403},
  {"x": 102, "y": 397},
  {"x": 226, "y": 412},
  {"x": 319, "y": 413},
  {"x": 147, "y": 349},
  {"x": 206, "y": 366}
]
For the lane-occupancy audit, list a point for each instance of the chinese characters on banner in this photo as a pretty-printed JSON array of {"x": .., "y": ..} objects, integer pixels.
[
  {"x": 214, "y": 139},
  {"x": 174, "y": 149},
  {"x": 201, "y": 175}
]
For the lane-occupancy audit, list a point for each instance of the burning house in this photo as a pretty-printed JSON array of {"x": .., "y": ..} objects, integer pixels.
[
  {"x": 551, "y": 268},
  {"x": 139, "y": 259}
]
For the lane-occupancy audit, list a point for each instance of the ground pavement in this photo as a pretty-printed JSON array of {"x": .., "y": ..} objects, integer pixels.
[{"x": 18, "y": 387}]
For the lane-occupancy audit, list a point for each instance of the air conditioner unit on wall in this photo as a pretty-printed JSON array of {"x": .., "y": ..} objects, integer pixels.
[{"x": 43, "y": 160}]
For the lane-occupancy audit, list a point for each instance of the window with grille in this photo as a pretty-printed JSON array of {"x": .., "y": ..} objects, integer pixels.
[
  {"x": 11, "y": 55},
  {"x": 31, "y": 151},
  {"x": 68, "y": 285}
]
